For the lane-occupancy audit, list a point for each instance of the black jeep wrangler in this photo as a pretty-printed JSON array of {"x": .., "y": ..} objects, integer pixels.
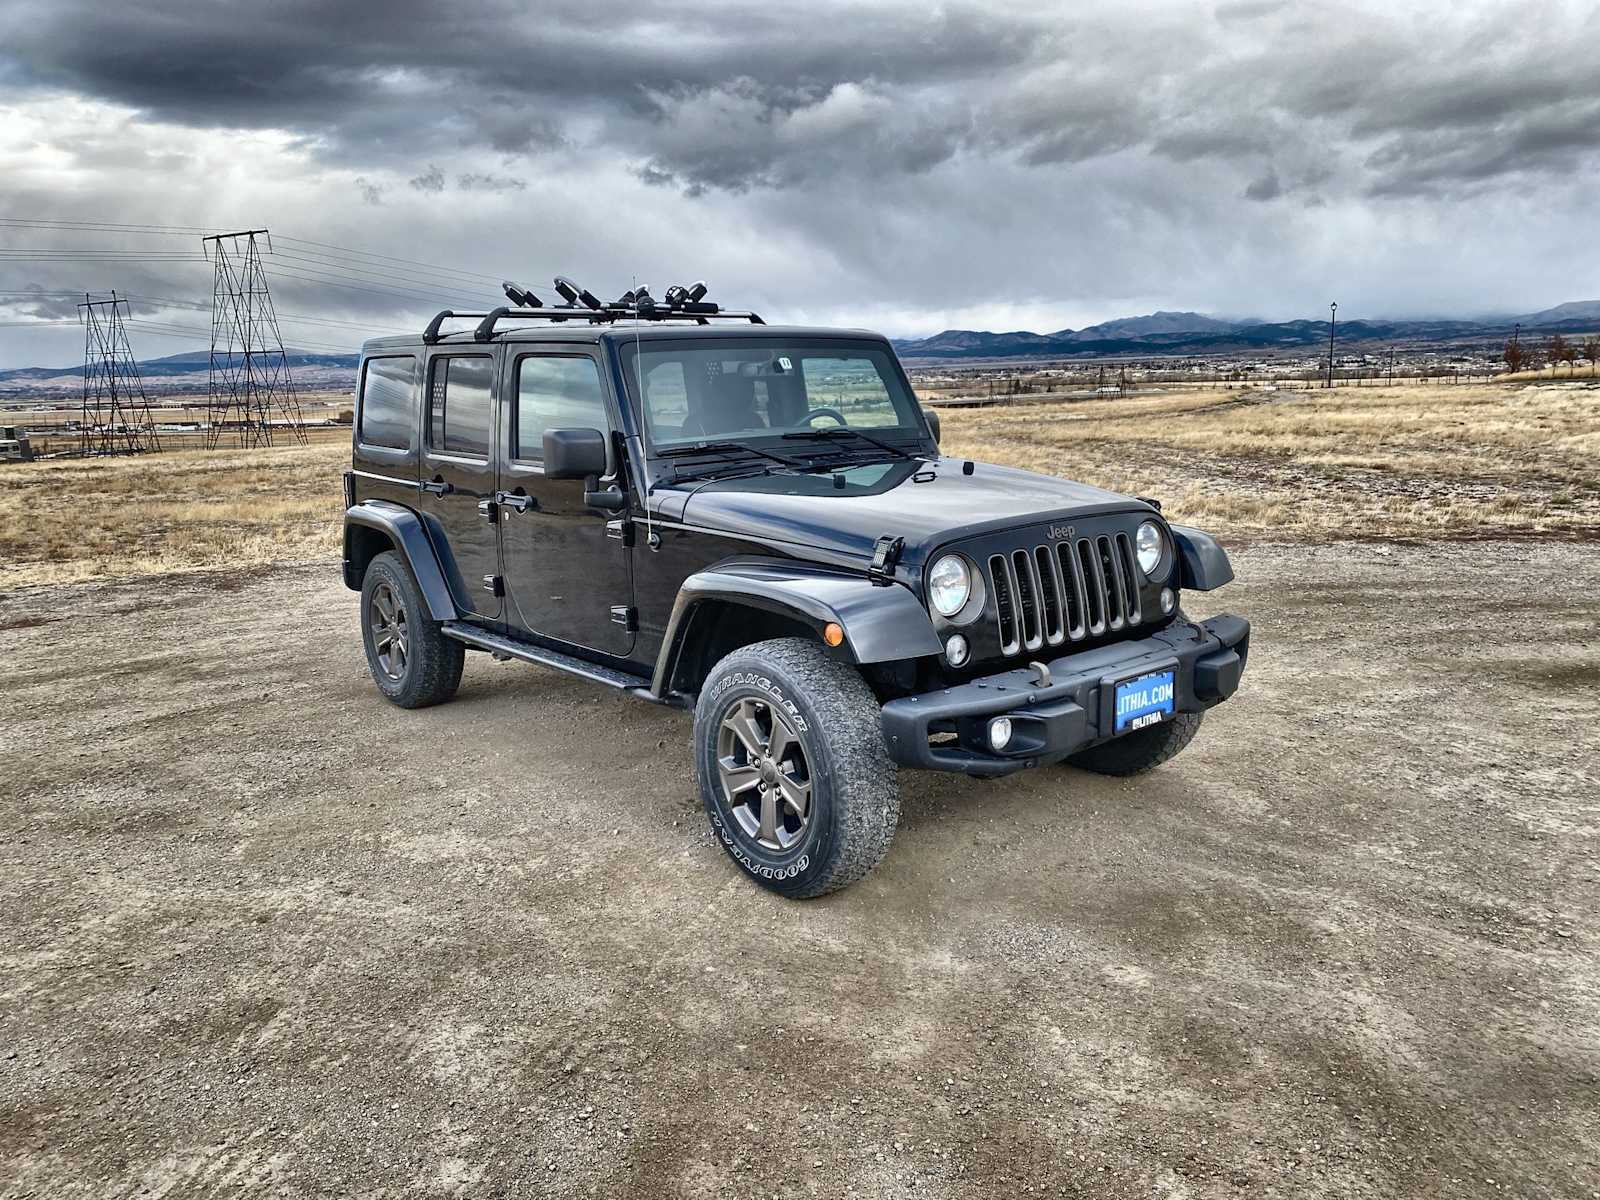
[{"x": 756, "y": 523}]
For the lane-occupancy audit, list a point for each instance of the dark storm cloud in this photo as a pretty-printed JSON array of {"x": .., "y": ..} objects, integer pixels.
[
  {"x": 747, "y": 96},
  {"x": 1097, "y": 154}
]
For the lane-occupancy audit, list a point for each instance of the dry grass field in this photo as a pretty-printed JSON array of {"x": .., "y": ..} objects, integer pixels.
[
  {"x": 1408, "y": 462},
  {"x": 78, "y": 519},
  {"x": 1457, "y": 461}
]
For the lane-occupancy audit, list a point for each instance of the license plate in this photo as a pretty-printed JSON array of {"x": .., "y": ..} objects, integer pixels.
[{"x": 1143, "y": 701}]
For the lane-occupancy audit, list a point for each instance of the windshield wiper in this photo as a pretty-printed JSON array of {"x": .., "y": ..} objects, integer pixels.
[
  {"x": 839, "y": 431},
  {"x": 724, "y": 449}
]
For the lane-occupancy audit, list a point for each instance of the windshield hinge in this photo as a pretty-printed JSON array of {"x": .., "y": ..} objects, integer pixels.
[{"x": 885, "y": 553}]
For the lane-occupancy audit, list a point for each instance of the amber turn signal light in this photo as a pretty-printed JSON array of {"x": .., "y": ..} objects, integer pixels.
[{"x": 833, "y": 633}]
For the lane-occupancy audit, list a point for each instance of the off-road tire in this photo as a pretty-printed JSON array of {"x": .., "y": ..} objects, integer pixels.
[
  {"x": 1142, "y": 750},
  {"x": 854, "y": 785},
  {"x": 432, "y": 669}
]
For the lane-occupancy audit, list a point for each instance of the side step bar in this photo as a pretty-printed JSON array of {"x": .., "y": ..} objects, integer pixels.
[{"x": 540, "y": 656}]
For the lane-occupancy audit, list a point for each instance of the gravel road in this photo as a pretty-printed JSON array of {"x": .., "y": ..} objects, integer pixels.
[{"x": 263, "y": 934}]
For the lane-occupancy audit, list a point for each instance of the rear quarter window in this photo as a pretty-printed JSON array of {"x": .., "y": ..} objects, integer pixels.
[{"x": 388, "y": 408}]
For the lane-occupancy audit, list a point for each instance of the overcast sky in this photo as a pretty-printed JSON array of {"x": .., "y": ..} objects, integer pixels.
[{"x": 905, "y": 167}]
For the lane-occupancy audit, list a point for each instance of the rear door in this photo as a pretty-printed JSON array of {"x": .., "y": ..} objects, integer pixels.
[
  {"x": 567, "y": 566},
  {"x": 458, "y": 477}
]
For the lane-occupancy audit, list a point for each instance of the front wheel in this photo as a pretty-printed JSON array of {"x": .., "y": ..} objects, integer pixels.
[{"x": 792, "y": 767}]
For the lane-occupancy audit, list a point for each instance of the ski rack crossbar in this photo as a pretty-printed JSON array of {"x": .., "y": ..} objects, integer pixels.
[{"x": 698, "y": 312}]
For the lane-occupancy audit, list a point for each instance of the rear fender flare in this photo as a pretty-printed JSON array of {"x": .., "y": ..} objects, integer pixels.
[
  {"x": 880, "y": 623},
  {"x": 406, "y": 533},
  {"x": 1202, "y": 562}
]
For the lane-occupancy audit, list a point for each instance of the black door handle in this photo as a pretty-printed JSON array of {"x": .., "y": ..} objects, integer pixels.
[
  {"x": 437, "y": 486},
  {"x": 515, "y": 501}
]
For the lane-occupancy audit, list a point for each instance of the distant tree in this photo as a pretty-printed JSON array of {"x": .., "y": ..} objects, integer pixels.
[
  {"x": 1569, "y": 355},
  {"x": 1555, "y": 349},
  {"x": 1516, "y": 356},
  {"x": 1532, "y": 358},
  {"x": 1591, "y": 351}
]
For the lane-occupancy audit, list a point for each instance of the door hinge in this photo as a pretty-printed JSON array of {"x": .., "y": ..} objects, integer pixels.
[
  {"x": 885, "y": 553},
  {"x": 620, "y": 531},
  {"x": 495, "y": 585},
  {"x": 626, "y": 616}
]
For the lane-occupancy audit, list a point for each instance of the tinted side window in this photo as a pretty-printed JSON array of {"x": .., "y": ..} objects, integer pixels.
[
  {"x": 389, "y": 402},
  {"x": 556, "y": 393},
  {"x": 459, "y": 405}
]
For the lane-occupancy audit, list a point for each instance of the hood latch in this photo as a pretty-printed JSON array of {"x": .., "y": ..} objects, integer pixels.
[{"x": 885, "y": 553}]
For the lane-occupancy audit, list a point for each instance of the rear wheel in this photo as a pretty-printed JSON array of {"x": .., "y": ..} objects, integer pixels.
[
  {"x": 412, "y": 662},
  {"x": 1140, "y": 751},
  {"x": 792, "y": 767}
]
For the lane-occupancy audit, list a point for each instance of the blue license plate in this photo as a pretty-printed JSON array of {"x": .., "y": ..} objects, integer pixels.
[{"x": 1144, "y": 701}]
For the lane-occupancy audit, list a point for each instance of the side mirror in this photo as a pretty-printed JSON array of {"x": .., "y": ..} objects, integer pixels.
[
  {"x": 574, "y": 453},
  {"x": 933, "y": 423}
]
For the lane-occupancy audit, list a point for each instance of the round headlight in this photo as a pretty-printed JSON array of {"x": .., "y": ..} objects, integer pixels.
[
  {"x": 1151, "y": 546},
  {"x": 949, "y": 585}
]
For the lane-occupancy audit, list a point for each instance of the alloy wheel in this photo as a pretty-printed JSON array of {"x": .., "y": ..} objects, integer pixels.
[
  {"x": 764, "y": 774},
  {"x": 390, "y": 635}
]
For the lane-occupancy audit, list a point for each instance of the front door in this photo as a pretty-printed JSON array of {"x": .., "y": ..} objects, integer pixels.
[
  {"x": 567, "y": 566},
  {"x": 458, "y": 477}
]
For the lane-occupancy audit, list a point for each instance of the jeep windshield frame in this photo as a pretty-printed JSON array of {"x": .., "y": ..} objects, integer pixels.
[{"x": 754, "y": 392}]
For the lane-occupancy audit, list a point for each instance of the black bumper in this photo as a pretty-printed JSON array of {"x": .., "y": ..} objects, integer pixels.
[{"x": 1070, "y": 712}]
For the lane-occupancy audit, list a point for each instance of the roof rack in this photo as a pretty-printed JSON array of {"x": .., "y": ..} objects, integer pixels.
[{"x": 635, "y": 305}]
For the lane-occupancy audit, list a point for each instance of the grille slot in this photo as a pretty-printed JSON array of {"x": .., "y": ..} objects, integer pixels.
[
  {"x": 1066, "y": 591},
  {"x": 1055, "y": 631},
  {"x": 1029, "y": 601},
  {"x": 1005, "y": 605}
]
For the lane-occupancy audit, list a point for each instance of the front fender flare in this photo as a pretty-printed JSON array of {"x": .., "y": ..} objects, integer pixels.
[
  {"x": 404, "y": 528},
  {"x": 1202, "y": 562},
  {"x": 880, "y": 623}
]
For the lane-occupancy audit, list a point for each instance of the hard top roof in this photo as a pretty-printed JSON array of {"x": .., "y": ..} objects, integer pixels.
[{"x": 652, "y": 331}]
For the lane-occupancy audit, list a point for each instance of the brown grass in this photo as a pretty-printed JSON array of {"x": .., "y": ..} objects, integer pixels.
[
  {"x": 1450, "y": 461},
  {"x": 75, "y": 519}
]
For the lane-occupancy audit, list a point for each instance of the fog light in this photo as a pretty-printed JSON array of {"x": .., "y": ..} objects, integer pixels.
[
  {"x": 1000, "y": 733},
  {"x": 956, "y": 650},
  {"x": 1168, "y": 602}
]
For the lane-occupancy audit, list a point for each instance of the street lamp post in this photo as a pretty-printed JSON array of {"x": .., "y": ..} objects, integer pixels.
[{"x": 1332, "y": 311}]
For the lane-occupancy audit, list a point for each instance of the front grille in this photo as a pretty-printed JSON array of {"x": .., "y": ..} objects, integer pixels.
[{"x": 1065, "y": 591}]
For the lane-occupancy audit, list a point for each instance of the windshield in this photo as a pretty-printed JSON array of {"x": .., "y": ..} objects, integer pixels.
[{"x": 701, "y": 390}]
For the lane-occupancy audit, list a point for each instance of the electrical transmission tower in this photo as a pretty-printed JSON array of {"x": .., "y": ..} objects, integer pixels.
[
  {"x": 116, "y": 412},
  {"x": 252, "y": 393}
]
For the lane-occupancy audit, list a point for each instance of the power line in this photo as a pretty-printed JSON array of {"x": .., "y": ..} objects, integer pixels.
[
  {"x": 494, "y": 279},
  {"x": 96, "y": 226},
  {"x": 303, "y": 263}
]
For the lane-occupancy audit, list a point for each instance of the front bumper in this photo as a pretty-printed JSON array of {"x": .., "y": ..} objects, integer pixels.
[{"x": 1070, "y": 712}]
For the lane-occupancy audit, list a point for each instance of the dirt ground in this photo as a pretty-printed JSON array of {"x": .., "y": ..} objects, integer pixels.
[{"x": 264, "y": 934}]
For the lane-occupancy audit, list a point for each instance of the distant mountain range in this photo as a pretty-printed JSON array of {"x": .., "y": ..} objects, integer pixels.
[
  {"x": 1157, "y": 333},
  {"x": 1195, "y": 333},
  {"x": 189, "y": 371}
]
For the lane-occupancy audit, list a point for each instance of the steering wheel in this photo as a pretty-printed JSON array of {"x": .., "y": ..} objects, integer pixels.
[{"x": 823, "y": 412}]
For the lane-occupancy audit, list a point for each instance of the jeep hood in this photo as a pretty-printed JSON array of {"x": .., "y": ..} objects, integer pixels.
[{"x": 926, "y": 502}]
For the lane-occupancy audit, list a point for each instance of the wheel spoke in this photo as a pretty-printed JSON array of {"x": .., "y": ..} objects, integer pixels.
[
  {"x": 796, "y": 794},
  {"x": 742, "y": 723},
  {"x": 769, "y": 817},
  {"x": 782, "y": 738},
  {"x": 381, "y": 638},
  {"x": 737, "y": 778}
]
